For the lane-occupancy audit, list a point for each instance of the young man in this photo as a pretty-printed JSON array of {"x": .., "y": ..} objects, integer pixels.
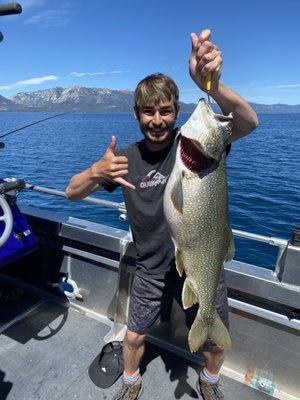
[{"x": 142, "y": 169}]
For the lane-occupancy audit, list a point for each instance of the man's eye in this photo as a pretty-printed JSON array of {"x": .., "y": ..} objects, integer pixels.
[
  {"x": 166, "y": 112},
  {"x": 148, "y": 112}
]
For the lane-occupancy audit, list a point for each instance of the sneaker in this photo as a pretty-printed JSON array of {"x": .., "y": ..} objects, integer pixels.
[
  {"x": 129, "y": 392},
  {"x": 209, "y": 391}
]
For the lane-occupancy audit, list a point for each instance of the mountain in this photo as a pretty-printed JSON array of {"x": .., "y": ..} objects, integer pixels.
[
  {"x": 9, "y": 105},
  {"x": 276, "y": 108},
  {"x": 83, "y": 99},
  {"x": 77, "y": 99}
]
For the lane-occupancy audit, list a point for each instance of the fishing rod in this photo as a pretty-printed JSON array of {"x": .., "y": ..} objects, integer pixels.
[
  {"x": 8, "y": 9},
  {"x": 2, "y": 145}
]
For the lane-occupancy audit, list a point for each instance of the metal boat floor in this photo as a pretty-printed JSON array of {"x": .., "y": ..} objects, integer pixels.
[{"x": 48, "y": 353}]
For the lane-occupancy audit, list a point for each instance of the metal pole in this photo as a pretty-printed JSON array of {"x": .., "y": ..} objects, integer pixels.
[{"x": 90, "y": 200}]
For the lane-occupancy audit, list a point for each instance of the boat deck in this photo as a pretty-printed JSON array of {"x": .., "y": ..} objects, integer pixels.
[{"x": 49, "y": 351}]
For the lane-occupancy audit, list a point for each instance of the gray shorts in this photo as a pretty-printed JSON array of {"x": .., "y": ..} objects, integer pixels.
[{"x": 151, "y": 301}]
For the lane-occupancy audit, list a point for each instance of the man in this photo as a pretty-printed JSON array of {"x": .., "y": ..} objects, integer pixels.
[{"x": 142, "y": 170}]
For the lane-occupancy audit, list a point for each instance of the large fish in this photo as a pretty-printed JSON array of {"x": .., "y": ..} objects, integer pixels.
[{"x": 196, "y": 210}]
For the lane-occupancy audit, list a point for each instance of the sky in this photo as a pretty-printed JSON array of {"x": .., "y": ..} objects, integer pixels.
[{"x": 115, "y": 44}]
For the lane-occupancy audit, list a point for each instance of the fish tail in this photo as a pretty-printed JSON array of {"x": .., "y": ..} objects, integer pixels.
[
  {"x": 219, "y": 333},
  {"x": 200, "y": 332}
]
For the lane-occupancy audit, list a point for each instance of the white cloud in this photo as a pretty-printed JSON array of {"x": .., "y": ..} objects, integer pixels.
[
  {"x": 38, "y": 81},
  {"x": 80, "y": 74},
  {"x": 49, "y": 18},
  {"x": 253, "y": 86},
  {"x": 28, "y": 82},
  {"x": 289, "y": 86},
  {"x": 103, "y": 72}
]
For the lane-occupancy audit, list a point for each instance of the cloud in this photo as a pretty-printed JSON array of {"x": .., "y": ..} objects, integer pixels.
[
  {"x": 43, "y": 79},
  {"x": 289, "y": 86},
  {"x": 49, "y": 18},
  {"x": 253, "y": 86},
  {"x": 28, "y": 82},
  {"x": 80, "y": 74},
  {"x": 103, "y": 72}
]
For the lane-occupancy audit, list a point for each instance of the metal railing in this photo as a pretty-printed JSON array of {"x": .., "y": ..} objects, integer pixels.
[
  {"x": 265, "y": 283},
  {"x": 273, "y": 241},
  {"x": 91, "y": 200}
]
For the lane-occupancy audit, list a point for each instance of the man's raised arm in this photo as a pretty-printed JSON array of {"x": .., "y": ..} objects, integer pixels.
[
  {"x": 206, "y": 58},
  {"x": 109, "y": 168}
]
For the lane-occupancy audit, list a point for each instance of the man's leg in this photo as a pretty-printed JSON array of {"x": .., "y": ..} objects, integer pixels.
[
  {"x": 214, "y": 357},
  {"x": 133, "y": 351},
  {"x": 144, "y": 310},
  {"x": 208, "y": 382}
]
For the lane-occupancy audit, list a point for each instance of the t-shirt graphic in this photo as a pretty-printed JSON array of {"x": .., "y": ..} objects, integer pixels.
[{"x": 153, "y": 178}]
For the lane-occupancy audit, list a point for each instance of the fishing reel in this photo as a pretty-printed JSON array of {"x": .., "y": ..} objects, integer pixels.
[
  {"x": 7, "y": 219},
  {"x": 8, "y": 9},
  {"x": 9, "y": 189}
]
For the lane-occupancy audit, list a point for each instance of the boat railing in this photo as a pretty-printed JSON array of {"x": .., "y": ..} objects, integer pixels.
[
  {"x": 90, "y": 200},
  {"x": 274, "y": 241},
  {"x": 269, "y": 282}
]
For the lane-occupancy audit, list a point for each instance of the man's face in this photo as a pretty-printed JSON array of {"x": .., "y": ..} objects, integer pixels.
[{"x": 157, "y": 123}]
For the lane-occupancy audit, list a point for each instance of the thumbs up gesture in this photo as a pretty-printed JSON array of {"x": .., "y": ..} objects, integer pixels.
[
  {"x": 112, "y": 167},
  {"x": 205, "y": 58}
]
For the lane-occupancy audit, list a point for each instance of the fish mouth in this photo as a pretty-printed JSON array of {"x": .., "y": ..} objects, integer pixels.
[
  {"x": 193, "y": 156},
  {"x": 208, "y": 110}
]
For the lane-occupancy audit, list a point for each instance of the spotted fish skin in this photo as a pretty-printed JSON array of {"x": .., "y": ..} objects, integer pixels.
[{"x": 196, "y": 211}]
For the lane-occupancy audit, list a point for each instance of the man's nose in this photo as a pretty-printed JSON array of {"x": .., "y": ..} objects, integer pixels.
[{"x": 157, "y": 119}]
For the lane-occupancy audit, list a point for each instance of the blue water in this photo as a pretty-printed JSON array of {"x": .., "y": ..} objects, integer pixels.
[{"x": 263, "y": 170}]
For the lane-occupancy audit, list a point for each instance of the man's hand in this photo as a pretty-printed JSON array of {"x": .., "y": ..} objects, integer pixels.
[
  {"x": 205, "y": 58},
  {"x": 112, "y": 167}
]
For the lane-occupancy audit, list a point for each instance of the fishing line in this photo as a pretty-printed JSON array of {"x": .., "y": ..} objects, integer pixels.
[{"x": 34, "y": 123}]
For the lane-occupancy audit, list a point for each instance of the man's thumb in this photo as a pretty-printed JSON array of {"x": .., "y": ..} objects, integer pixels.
[
  {"x": 113, "y": 143},
  {"x": 205, "y": 35},
  {"x": 194, "y": 40}
]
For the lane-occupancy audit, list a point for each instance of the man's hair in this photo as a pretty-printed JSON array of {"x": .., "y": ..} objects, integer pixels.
[{"x": 155, "y": 88}]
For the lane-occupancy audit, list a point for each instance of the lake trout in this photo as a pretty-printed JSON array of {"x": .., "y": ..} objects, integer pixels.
[{"x": 196, "y": 210}]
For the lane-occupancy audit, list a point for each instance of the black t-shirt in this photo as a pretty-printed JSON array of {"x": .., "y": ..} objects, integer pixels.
[{"x": 149, "y": 172}]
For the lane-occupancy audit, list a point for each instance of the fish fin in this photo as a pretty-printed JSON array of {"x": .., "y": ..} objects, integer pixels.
[
  {"x": 231, "y": 248},
  {"x": 219, "y": 333},
  {"x": 198, "y": 334},
  {"x": 188, "y": 296},
  {"x": 177, "y": 194},
  {"x": 179, "y": 262}
]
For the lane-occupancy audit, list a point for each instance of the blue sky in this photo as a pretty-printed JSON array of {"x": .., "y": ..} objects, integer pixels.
[{"x": 114, "y": 44}]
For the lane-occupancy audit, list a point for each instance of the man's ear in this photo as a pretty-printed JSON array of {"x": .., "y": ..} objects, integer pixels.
[
  {"x": 177, "y": 111},
  {"x": 136, "y": 113}
]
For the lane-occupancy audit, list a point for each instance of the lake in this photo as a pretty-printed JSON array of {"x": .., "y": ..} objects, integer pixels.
[{"x": 263, "y": 170}]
